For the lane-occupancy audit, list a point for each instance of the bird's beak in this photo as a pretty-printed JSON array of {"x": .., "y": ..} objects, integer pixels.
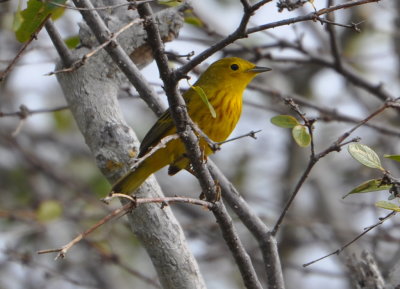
[{"x": 259, "y": 69}]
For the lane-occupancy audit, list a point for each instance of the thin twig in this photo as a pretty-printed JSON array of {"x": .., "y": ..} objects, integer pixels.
[
  {"x": 24, "y": 111},
  {"x": 122, "y": 210},
  {"x": 64, "y": 249},
  {"x": 131, "y": 4},
  {"x": 293, "y": 195},
  {"x": 326, "y": 114},
  {"x": 335, "y": 146},
  {"x": 164, "y": 201},
  {"x": 330, "y": 19},
  {"x": 365, "y": 120},
  {"x": 311, "y": 16},
  {"x": 116, "y": 260},
  {"x": 251, "y": 134},
  {"x": 75, "y": 65},
  {"x": 121, "y": 58},
  {"x": 375, "y": 89},
  {"x": 161, "y": 144},
  {"x": 354, "y": 26},
  {"x": 366, "y": 230},
  {"x": 4, "y": 73},
  {"x": 241, "y": 31}
]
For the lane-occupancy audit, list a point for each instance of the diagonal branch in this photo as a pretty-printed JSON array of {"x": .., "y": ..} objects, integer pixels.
[{"x": 181, "y": 117}]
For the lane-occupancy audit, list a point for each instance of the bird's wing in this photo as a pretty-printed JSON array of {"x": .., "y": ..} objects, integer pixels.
[{"x": 160, "y": 129}]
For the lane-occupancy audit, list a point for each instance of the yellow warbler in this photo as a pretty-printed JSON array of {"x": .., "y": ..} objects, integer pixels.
[{"x": 222, "y": 84}]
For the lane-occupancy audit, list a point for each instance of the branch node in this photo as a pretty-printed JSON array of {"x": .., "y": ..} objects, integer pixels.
[{"x": 164, "y": 204}]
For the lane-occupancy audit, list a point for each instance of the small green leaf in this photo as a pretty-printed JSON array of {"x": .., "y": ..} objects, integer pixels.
[
  {"x": 365, "y": 155},
  {"x": 373, "y": 185},
  {"x": 285, "y": 121},
  {"x": 63, "y": 120},
  {"x": 204, "y": 98},
  {"x": 170, "y": 3},
  {"x": 193, "y": 20},
  {"x": 301, "y": 135},
  {"x": 30, "y": 19},
  {"x": 388, "y": 206},
  {"x": 18, "y": 19},
  {"x": 49, "y": 210},
  {"x": 393, "y": 157},
  {"x": 72, "y": 42}
]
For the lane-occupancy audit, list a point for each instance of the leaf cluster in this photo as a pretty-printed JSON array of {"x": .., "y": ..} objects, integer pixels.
[{"x": 369, "y": 158}]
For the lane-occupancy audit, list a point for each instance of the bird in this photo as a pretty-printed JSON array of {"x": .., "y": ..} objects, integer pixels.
[{"x": 223, "y": 84}]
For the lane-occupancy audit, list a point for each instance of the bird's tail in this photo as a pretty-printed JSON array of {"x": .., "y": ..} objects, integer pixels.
[{"x": 133, "y": 179}]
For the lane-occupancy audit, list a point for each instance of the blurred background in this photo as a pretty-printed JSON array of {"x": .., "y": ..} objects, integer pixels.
[{"x": 50, "y": 186}]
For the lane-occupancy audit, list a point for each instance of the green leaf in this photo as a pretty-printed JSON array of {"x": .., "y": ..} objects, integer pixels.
[
  {"x": 204, "y": 98},
  {"x": 388, "y": 206},
  {"x": 63, "y": 120},
  {"x": 170, "y": 3},
  {"x": 193, "y": 20},
  {"x": 285, "y": 121},
  {"x": 393, "y": 157},
  {"x": 301, "y": 135},
  {"x": 365, "y": 155},
  {"x": 49, "y": 210},
  {"x": 30, "y": 19},
  {"x": 373, "y": 185},
  {"x": 72, "y": 42},
  {"x": 18, "y": 19}
]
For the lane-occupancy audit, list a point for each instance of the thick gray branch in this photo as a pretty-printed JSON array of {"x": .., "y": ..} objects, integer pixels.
[
  {"x": 364, "y": 272},
  {"x": 91, "y": 92}
]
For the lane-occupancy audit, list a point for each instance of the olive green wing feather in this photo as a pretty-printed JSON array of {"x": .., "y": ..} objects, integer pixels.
[{"x": 160, "y": 129}]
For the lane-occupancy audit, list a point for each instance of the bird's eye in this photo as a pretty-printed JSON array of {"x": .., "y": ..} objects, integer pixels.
[{"x": 234, "y": 67}]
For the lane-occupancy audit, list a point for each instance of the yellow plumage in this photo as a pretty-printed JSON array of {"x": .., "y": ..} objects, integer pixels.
[{"x": 223, "y": 83}]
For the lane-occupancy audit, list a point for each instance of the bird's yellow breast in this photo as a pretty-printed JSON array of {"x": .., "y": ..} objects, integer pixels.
[{"x": 228, "y": 107}]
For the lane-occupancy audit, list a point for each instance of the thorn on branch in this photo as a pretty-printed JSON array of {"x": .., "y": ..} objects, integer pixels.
[{"x": 164, "y": 204}]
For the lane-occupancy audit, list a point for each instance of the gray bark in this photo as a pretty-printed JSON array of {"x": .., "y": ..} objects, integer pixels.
[
  {"x": 91, "y": 92},
  {"x": 364, "y": 272}
]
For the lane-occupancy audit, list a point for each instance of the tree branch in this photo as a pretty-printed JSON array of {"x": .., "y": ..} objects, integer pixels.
[
  {"x": 260, "y": 231},
  {"x": 91, "y": 92},
  {"x": 181, "y": 120}
]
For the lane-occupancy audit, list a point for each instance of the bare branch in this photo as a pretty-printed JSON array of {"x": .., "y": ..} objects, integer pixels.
[
  {"x": 366, "y": 230},
  {"x": 257, "y": 228},
  {"x": 311, "y": 16},
  {"x": 336, "y": 146},
  {"x": 59, "y": 43},
  {"x": 120, "y": 211},
  {"x": 4, "y": 73},
  {"x": 24, "y": 111},
  {"x": 119, "y": 56},
  {"x": 251, "y": 134},
  {"x": 64, "y": 249},
  {"x": 75, "y": 65},
  {"x": 130, "y": 4}
]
